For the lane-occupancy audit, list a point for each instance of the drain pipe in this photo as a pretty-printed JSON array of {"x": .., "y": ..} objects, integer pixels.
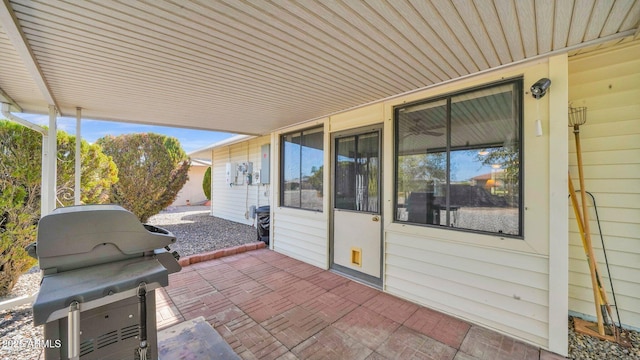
[{"x": 28, "y": 299}]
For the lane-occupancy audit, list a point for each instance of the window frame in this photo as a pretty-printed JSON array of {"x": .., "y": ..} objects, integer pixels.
[
  {"x": 518, "y": 104},
  {"x": 283, "y": 167}
]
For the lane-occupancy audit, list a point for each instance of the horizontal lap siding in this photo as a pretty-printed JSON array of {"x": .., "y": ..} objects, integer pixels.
[
  {"x": 503, "y": 290},
  {"x": 233, "y": 202},
  {"x": 301, "y": 234},
  {"x": 608, "y": 84}
]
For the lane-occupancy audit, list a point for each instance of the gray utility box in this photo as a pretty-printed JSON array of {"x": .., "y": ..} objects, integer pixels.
[
  {"x": 96, "y": 261},
  {"x": 265, "y": 163}
]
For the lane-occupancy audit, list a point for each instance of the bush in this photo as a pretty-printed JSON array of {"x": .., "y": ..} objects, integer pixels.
[
  {"x": 20, "y": 190},
  {"x": 17, "y": 230},
  {"x": 206, "y": 183},
  {"x": 98, "y": 172},
  {"x": 152, "y": 169},
  {"x": 19, "y": 201}
]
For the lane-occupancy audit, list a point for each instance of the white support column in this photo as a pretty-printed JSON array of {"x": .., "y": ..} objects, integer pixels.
[
  {"x": 44, "y": 177},
  {"x": 78, "y": 165},
  {"x": 49, "y": 186},
  {"x": 558, "y": 206}
]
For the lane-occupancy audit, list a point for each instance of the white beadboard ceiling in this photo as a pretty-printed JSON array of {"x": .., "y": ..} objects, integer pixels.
[{"x": 254, "y": 66}]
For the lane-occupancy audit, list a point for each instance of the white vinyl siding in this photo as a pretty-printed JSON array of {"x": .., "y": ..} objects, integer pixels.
[
  {"x": 301, "y": 234},
  {"x": 504, "y": 290},
  {"x": 233, "y": 202},
  {"x": 608, "y": 84},
  {"x": 364, "y": 116}
]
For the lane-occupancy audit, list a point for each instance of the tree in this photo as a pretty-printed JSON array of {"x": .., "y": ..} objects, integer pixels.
[
  {"x": 152, "y": 170},
  {"x": 206, "y": 183},
  {"x": 508, "y": 157},
  {"x": 98, "y": 172},
  {"x": 418, "y": 171},
  {"x": 20, "y": 190},
  {"x": 316, "y": 179},
  {"x": 19, "y": 200}
]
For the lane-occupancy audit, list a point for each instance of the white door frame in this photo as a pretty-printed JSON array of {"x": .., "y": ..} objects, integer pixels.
[{"x": 375, "y": 281}]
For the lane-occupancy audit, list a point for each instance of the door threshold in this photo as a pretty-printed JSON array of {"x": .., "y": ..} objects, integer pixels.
[{"x": 359, "y": 278}]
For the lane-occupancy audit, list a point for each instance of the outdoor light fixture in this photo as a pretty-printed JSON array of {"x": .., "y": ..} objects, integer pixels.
[{"x": 539, "y": 89}]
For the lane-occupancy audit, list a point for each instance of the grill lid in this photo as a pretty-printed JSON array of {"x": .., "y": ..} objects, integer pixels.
[{"x": 87, "y": 235}]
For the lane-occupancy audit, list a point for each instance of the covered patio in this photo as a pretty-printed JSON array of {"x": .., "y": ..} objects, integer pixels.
[
  {"x": 269, "y": 306},
  {"x": 272, "y": 69}
]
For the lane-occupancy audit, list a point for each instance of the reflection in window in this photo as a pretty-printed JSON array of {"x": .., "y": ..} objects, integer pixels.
[
  {"x": 302, "y": 159},
  {"x": 458, "y": 161},
  {"x": 357, "y": 172}
]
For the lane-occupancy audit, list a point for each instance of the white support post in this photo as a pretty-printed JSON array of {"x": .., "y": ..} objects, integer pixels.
[
  {"x": 559, "y": 210},
  {"x": 49, "y": 186},
  {"x": 78, "y": 164},
  {"x": 44, "y": 177}
]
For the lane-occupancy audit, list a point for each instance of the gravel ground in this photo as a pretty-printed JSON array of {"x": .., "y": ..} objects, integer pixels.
[
  {"x": 198, "y": 232},
  {"x": 584, "y": 347},
  {"x": 17, "y": 333}
]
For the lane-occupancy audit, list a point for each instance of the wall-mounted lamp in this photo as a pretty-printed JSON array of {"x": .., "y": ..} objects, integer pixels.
[{"x": 539, "y": 89}]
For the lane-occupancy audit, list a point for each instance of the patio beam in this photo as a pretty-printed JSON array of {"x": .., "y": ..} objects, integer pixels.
[
  {"x": 44, "y": 179},
  {"x": 5, "y": 98},
  {"x": 15, "y": 34},
  {"x": 6, "y": 112}
]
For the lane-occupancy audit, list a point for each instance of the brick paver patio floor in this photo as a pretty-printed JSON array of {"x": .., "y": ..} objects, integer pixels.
[{"x": 269, "y": 306}]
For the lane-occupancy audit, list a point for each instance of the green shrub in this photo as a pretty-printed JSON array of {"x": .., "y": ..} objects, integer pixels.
[
  {"x": 20, "y": 190},
  {"x": 206, "y": 183},
  {"x": 152, "y": 170},
  {"x": 17, "y": 230}
]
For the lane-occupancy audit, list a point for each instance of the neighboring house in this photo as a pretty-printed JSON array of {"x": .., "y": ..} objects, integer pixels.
[
  {"x": 507, "y": 276},
  {"x": 192, "y": 193}
]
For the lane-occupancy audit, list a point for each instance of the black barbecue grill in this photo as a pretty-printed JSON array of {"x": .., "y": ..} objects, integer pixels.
[{"x": 100, "y": 268}]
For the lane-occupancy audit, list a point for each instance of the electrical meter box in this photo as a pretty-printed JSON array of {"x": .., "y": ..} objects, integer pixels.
[
  {"x": 245, "y": 168},
  {"x": 244, "y": 172},
  {"x": 265, "y": 159},
  {"x": 230, "y": 173}
]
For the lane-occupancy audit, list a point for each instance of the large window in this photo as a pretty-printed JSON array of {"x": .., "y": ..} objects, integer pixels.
[
  {"x": 458, "y": 160},
  {"x": 302, "y": 159}
]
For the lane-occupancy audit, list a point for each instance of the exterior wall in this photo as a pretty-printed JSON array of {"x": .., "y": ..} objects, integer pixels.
[
  {"x": 300, "y": 234},
  {"x": 192, "y": 189},
  {"x": 608, "y": 84},
  {"x": 496, "y": 282},
  {"x": 233, "y": 202}
]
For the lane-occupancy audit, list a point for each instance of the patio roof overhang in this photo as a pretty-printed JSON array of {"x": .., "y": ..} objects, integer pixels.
[{"x": 253, "y": 67}]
